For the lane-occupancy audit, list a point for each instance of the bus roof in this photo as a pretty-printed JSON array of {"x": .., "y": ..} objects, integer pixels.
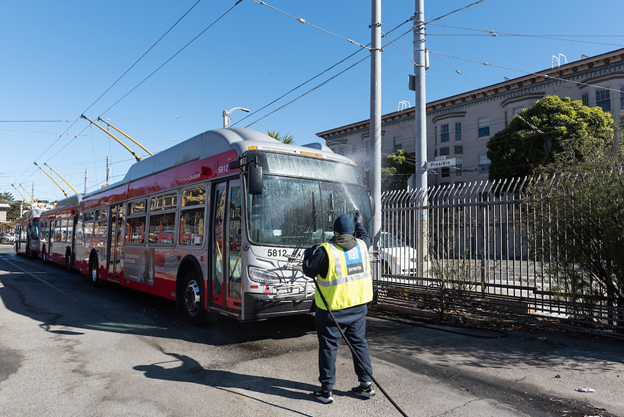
[
  {"x": 210, "y": 143},
  {"x": 32, "y": 213}
]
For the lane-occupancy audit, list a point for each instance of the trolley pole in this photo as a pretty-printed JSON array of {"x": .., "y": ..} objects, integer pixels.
[
  {"x": 86, "y": 178},
  {"x": 375, "y": 121}
]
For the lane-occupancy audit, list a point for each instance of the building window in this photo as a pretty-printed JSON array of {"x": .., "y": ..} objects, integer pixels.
[
  {"x": 341, "y": 151},
  {"x": 484, "y": 164},
  {"x": 398, "y": 143},
  {"x": 458, "y": 132},
  {"x": 622, "y": 97},
  {"x": 458, "y": 167},
  {"x": 367, "y": 144},
  {"x": 603, "y": 99},
  {"x": 459, "y": 150},
  {"x": 444, "y": 151},
  {"x": 446, "y": 172},
  {"x": 517, "y": 110},
  {"x": 444, "y": 133},
  {"x": 585, "y": 99},
  {"x": 484, "y": 127}
]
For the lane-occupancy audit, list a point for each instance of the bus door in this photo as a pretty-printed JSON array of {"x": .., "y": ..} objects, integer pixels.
[
  {"x": 115, "y": 243},
  {"x": 225, "y": 282}
]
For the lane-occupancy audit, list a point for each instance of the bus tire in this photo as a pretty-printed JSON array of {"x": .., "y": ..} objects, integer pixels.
[
  {"x": 94, "y": 273},
  {"x": 191, "y": 298},
  {"x": 44, "y": 255}
]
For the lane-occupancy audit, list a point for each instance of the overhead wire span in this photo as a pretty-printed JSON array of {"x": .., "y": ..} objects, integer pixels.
[
  {"x": 545, "y": 76},
  {"x": 142, "y": 56},
  {"x": 313, "y": 78},
  {"x": 102, "y": 95},
  {"x": 459, "y": 72},
  {"x": 173, "y": 56},
  {"x": 305, "y": 22},
  {"x": 359, "y": 62},
  {"x": 550, "y": 37},
  {"x": 309, "y": 91}
]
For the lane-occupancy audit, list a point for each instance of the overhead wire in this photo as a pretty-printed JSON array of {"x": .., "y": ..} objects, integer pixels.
[
  {"x": 410, "y": 30},
  {"x": 173, "y": 56},
  {"x": 305, "y": 22},
  {"x": 550, "y": 37},
  {"x": 313, "y": 78},
  {"x": 102, "y": 95},
  {"x": 545, "y": 76}
]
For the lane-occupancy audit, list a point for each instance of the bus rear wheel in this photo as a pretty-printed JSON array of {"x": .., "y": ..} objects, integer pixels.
[
  {"x": 94, "y": 273},
  {"x": 192, "y": 299}
]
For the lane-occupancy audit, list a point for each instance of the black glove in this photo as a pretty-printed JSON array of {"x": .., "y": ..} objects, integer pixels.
[{"x": 358, "y": 217}]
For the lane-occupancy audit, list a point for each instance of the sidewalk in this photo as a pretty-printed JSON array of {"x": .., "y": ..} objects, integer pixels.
[{"x": 509, "y": 366}]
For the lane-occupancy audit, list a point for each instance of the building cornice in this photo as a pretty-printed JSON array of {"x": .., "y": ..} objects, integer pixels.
[{"x": 520, "y": 88}]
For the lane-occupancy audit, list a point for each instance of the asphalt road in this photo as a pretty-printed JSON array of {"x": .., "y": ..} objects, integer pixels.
[{"x": 70, "y": 349}]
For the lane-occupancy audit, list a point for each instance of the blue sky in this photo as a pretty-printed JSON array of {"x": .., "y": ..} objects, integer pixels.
[{"x": 58, "y": 58}]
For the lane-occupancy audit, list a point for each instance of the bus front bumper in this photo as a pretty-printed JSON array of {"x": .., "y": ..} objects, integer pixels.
[{"x": 260, "y": 306}]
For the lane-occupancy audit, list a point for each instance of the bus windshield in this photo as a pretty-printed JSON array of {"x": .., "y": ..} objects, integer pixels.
[
  {"x": 301, "y": 212},
  {"x": 34, "y": 231}
]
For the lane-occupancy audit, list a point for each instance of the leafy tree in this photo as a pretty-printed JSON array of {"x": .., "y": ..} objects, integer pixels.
[
  {"x": 6, "y": 197},
  {"x": 535, "y": 136},
  {"x": 579, "y": 223},
  {"x": 396, "y": 170},
  {"x": 14, "y": 212},
  {"x": 287, "y": 138}
]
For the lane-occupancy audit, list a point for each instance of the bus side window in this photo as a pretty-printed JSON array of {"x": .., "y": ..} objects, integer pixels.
[
  {"x": 136, "y": 230},
  {"x": 192, "y": 227}
]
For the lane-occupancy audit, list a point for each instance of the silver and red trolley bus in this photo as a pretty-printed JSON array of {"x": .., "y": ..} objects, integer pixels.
[
  {"x": 27, "y": 233},
  {"x": 57, "y": 231},
  {"x": 212, "y": 223}
]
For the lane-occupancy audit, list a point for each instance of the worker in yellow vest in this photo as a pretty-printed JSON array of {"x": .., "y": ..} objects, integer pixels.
[{"x": 342, "y": 270}]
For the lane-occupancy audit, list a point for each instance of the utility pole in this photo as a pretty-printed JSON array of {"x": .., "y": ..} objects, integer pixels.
[
  {"x": 375, "y": 120},
  {"x": 421, "y": 185},
  {"x": 420, "y": 107},
  {"x": 86, "y": 178},
  {"x": 107, "y": 170}
]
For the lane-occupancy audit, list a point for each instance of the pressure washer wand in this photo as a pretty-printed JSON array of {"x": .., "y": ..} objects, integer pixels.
[{"x": 355, "y": 355}]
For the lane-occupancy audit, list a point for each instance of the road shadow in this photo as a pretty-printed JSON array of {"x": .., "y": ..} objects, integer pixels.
[
  {"x": 191, "y": 371},
  {"x": 67, "y": 304}
]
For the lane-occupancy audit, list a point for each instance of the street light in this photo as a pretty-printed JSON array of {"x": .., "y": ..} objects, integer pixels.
[{"x": 226, "y": 115}]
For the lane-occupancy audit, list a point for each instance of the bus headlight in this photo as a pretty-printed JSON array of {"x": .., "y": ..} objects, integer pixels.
[{"x": 262, "y": 276}]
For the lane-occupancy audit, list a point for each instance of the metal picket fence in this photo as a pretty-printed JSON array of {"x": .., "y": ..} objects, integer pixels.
[{"x": 466, "y": 249}]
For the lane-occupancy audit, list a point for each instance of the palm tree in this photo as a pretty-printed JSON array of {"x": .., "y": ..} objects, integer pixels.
[{"x": 287, "y": 138}]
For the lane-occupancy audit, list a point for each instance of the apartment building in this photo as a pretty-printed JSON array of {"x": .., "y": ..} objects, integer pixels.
[{"x": 460, "y": 126}]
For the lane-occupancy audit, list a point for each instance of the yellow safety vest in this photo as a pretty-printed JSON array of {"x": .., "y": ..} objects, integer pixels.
[{"x": 349, "y": 281}]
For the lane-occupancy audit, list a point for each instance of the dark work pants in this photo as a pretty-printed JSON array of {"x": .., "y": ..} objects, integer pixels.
[{"x": 352, "y": 321}]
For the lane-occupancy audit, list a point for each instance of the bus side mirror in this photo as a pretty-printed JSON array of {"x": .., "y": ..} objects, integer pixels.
[{"x": 254, "y": 179}]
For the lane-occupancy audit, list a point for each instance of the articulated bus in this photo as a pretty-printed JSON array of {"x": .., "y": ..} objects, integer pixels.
[
  {"x": 213, "y": 223},
  {"x": 27, "y": 233}
]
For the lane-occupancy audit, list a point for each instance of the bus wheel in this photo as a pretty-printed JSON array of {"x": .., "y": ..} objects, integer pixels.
[
  {"x": 94, "y": 274},
  {"x": 192, "y": 305},
  {"x": 44, "y": 256}
]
